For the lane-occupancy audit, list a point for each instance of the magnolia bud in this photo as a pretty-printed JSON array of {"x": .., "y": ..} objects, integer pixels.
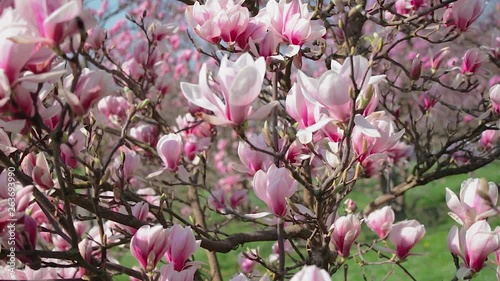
[{"x": 416, "y": 68}]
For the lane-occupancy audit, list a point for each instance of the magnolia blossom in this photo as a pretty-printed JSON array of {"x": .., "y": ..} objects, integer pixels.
[
  {"x": 71, "y": 149},
  {"x": 463, "y": 14},
  {"x": 489, "y": 138},
  {"x": 147, "y": 133},
  {"x": 53, "y": 20},
  {"x": 477, "y": 197},
  {"x": 274, "y": 187},
  {"x": 473, "y": 245},
  {"x": 238, "y": 82},
  {"x": 495, "y": 98},
  {"x": 216, "y": 20},
  {"x": 247, "y": 265},
  {"x": 334, "y": 88},
  {"x": 374, "y": 135},
  {"x": 168, "y": 273},
  {"x": 41, "y": 173},
  {"x": 148, "y": 245},
  {"x": 169, "y": 149},
  {"x": 181, "y": 245},
  {"x": 472, "y": 61},
  {"x": 405, "y": 235},
  {"x": 345, "y": 230},
  {"x": 311, "y": 273},
  {"x": 380, "y": 221},
  {"x": 114, "y": 108},
  {"x": 251, "y": 159},
  {"x": 14, "y": 56},
  {"x": 292, "y": 21},
  {"x": 92, "y": 85}
]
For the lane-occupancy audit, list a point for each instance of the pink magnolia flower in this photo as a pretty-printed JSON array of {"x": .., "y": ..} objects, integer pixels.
[
  {"x": 495, "y": 98},
  {"x": 181, "y": 245},
  {"x": 114, "y": 108},
  {"x": 345, "y": 230},
  {"x": 374, "y": 135},
  {"x": 472, "y": 205},
  {"x": 305, "y": 112},
  {"x": 311, "y": 273},
  {"x": 292, "y": 21},
  {"x": 169, "y": 148},
  {"x": 251, "y": 159},
  {"x": 90, "y": 88},
  {"x": 416, "y": 68},
  {"x": 238, "y": 82},
  {"x": 274, "y": 256},
  {"x": 147, "y": 133},
  {"x": 238, "y": 197},
  {"x": 405, "y": 235},
  {"x": 380, "y": 221},
  {"x": 436, "y": 60},
  {"x": 472, "y": 61},
  {"x": 127, "y": 164},
  {"x": 197, "y": 135},
  {"x": 489, "y": 138},
  {"x": 217, "y": 200},
  {"x": 274, "y": 187},
  {"x": 216, "y": 20},
  {"x": 54, "y": 20},
  {"x": 14, "y": 55},
  {"x": 473, "y": 245},
  {"x": 247, "y": 265},
  {"x": 41, "y": 173},
  {"x": 400, "y": 151},
  {"x": 5, "y": 143},
  {"x": 149, "y": 244},
  {"x": 333, "y": 89},
  {"x": 463, "y": 14},
  {"x": 73, "y": 147},
  {"x": 168, "y": 273},
  {"x": 140, "y": 211}
]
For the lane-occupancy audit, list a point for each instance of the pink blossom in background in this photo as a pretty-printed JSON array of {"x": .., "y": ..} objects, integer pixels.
[
  {"x": 274, "y": 187},
  {"x": 380, "y": 221},
  {"x": 473, "y": 245},
  {"x": 405, "y": 235},
  {"x": 345, "y": 230},
  {"x": 247, "y": 265}
]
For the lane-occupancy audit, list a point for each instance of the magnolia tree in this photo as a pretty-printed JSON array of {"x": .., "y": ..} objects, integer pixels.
[{"x": 156, "y": 135}]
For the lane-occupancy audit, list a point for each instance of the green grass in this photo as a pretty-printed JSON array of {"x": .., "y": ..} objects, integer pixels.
[{"x": 426, "y": 204}]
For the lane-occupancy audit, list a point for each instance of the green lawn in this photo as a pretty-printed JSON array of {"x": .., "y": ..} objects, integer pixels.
[{"x": 426, "y": 204}]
